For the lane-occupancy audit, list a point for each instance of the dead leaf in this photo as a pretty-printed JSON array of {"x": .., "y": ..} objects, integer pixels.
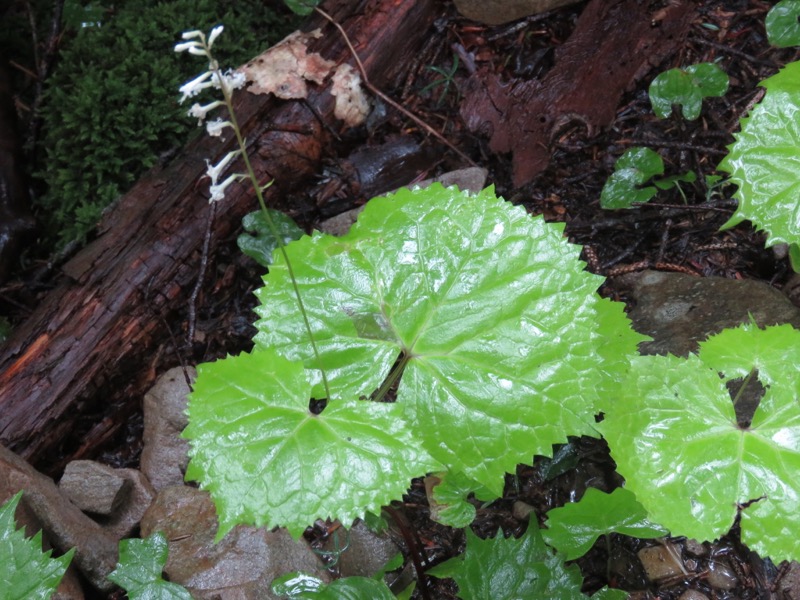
[
  {"x": 352, "y": 105},
  {"x": 285, "y": 68}
]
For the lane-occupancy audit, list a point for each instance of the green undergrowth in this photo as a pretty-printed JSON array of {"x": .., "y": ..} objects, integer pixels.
[{"x": 110, "y": 108}]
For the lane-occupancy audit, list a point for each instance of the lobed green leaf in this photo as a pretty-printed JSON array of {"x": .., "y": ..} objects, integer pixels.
[
  {"x": 267, "y": 460},
  {"x": 783, "y": 24},
  {"x": 762, "y": 161},
  {"x": 687, "y": 459},
  {"x": 574, "y": 527},
  {"x": 502, "y": 567},
  {"x": 489, "y": 311},
  {"x": 687, "y": 87},
  {"x": 139, "y": 571}
]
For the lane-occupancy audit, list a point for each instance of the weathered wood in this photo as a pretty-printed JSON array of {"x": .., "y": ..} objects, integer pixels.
[
  {"x": 614, "y": 43},
  {"x": 105, "y": 320}
]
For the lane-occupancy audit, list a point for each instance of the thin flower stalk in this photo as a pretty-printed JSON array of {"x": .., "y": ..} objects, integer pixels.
[{"x": 227, "y": 82}]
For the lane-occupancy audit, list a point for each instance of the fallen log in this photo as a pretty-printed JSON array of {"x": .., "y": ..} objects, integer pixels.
[
  {"x": 105, "y": 319},
  {"x": 614, "y": 43}
]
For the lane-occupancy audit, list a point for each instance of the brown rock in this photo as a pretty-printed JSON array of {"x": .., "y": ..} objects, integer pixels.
[
  {"x": 679, "y": 310},
  {"x": 164, "y": 456},
  {"x": 63, "y": 523},
  {"x": 93, "y": 487},
  {"x": 241, "y": 566}
]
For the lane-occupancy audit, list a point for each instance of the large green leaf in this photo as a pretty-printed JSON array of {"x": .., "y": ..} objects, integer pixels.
[
  {"x": 266, "y": 459},
  {"x": 140, "y": 567},
  {"x": 26, "y": 572},
  {"x": 574, "y": 527},
  {"x": 763, "y": 161},
  {"x": 687, "y": 459},
  {"x": 493, "y": 315}
]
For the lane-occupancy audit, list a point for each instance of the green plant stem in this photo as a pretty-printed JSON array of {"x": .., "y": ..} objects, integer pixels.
[
  {"x": 394, "y": 375},
  {"x": 745, "y": 383},
  {"x": 271, "y": 224}
]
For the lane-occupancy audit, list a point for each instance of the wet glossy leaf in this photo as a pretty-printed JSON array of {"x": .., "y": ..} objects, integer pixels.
[
  {"x": 763, "y": 160},
  {"x": 138, "y": 572},
  {"x": 297, "y": 586},
  {"x": 687, "y": 87},
  {"x": 635, "y": 167},
  {"x": 26, "y": 572},
  {"x": 449, "y": 505},
  {"x": 689, "y": 462},
  {"x": 502, "y": 567},
  {"x": 258, "y": 242},
  {"x": 574, "y": 527},
  {"x": 493, "y": 315},
  {"x": 783, "y": 25},
  {"x": 266, "y": 459}
]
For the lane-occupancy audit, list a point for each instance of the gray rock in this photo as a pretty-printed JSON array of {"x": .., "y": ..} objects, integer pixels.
[
  {"x": 93, "y": 487},
  {"x": 367, "y": 552},
  {"x": 241, "y": 566},
  {"x": 789, "y": 585},
  {"x": 679, "y": 310},
  {"x": 495, "y": 12},
  {"x": 164, "y": 456},
  {"x": 140, "y": 495},
  {"x": 63, "y": 523}
]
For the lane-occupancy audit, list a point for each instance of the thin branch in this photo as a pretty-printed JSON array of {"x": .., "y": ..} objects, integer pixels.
[{"x": 386, "y": 98}]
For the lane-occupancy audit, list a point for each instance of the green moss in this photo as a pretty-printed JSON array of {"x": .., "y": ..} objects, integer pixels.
[{"x": 111, "y": 106}]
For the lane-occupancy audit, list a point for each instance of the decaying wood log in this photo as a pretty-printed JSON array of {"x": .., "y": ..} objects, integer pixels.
[
  {"x": 104, "y": 320},
  {"x": 614, "y": 43}
]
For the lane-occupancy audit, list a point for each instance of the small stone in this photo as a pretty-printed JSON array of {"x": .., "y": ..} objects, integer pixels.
[
  {"x": 720, "y": 575},
  {"x": 789, "y": 585},
  {"x": 661, "y": 562},
  {"x": 127, "y": 516},
  {"x": 367, "y": 552},
  {"x": 692, "y": 595},
  {"x": 93, "y": 487},
  {"x": 521, "y": 510},
  {"x": 695, "y": 548}
]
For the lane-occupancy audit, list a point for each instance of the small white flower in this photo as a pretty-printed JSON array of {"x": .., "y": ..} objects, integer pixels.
[
  {"x": 214, "y": 172},
  {"x": 235, "y": 79},
  {"x": 215, "y": 127},
  {"x": 218, "y": 191},
  {"x": 200, "y": 112},
  {"x": 231, "y": 80},
  {"x": 214, "y": 35},
  {"x": 195, "y": 86},
  {"x": 184, "y": 46},
  {"x": 190, "y": 35}
]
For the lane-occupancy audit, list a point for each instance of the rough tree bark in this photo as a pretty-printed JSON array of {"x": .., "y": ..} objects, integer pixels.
[
  {"x": 105, "y": 318},
  {"x": 614, "y": 43}
]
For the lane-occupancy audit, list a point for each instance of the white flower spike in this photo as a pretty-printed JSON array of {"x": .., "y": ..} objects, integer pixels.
[
  {"x": 195, "y": 86},
  {"x": 214, "y": 35},
  {"x": 215, "y": 127},
  {"x": 218, "y": 191},
  {"x": 200, "y": 112},
  {"x": 214, "y": 172}
]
